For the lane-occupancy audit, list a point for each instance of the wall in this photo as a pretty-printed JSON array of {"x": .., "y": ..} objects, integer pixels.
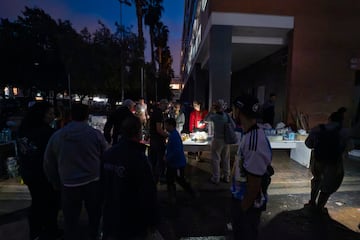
[{"x": 325, "y": 37}]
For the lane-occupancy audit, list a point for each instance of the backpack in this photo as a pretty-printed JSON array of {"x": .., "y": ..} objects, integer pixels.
[{"x": 327, "y": 145}]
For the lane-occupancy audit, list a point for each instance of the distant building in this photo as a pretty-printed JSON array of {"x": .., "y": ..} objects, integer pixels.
[
  {"x": 307, "y": 52},
  {"x": 176, "y": 87}
]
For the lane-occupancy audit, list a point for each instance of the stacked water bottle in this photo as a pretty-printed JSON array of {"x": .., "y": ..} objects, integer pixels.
[
  {"x": 11, "y": 162},
  {"x": 5, "y": 135}
]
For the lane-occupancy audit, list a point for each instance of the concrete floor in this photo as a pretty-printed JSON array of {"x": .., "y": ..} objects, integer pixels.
[{"x": 208, "y": 215}]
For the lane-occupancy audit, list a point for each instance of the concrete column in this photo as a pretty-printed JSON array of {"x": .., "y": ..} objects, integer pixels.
[
  {"x": 220, "y": 52},
  {"x": 200, "y": 85}
]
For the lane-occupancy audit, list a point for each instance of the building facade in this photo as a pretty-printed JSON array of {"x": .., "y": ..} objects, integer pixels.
[{"x": 306, "y": 52}]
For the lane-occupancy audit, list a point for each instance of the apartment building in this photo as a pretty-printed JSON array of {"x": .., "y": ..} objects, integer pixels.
[{"x": 307, "y": 52}]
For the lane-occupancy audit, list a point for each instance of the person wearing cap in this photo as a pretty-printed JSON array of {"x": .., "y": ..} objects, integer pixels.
[
  {"x": 158, "y": 136},
  {"x": 130, "y": 197},
  {"x": 220, "y": 151},
  {"x": 249, "y": 199},
  {"x": 116, "y": 119}
]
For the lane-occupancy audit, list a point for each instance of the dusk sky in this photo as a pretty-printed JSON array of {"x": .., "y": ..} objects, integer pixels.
[{"x": 86, "y": 13}]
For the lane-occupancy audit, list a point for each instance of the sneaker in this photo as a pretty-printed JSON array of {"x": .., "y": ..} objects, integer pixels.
[
  {"x": 195, "y": 195},
  {"x": 211, "y": 180},
  {"x": 323, "y": 211},
  {"x": 310, "y": 204},
  {"x": 225, "y": 179}
]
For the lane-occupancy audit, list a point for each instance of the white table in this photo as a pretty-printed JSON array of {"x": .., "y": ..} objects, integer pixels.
[
  {"x": 191, "y": 146},
  {"x": 299, "y": 152}
]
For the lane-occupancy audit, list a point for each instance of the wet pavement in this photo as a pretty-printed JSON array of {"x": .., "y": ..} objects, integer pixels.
[{"x": 208, "y": 215}]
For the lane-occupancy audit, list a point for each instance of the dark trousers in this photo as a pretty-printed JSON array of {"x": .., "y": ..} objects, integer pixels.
[
  {"x": 73, "y": 198},
  {"x": 245, "y": 224},
  {"x": 177, "y": 175},
  {"x": 43, "y": 212},
  {"x": 156, "y": 156}
]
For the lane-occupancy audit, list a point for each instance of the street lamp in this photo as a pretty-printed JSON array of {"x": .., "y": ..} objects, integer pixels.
[{"x": 126, "y": 2}]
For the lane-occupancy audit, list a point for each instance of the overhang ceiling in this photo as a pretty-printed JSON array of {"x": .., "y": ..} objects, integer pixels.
[{"x": 250, "y": 45}]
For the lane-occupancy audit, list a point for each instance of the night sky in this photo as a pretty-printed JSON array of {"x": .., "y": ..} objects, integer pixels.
[{"x": 86, "y": 13}]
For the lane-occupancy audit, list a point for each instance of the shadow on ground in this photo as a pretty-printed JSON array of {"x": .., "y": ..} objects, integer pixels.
[{"x": 304, "y": 224}]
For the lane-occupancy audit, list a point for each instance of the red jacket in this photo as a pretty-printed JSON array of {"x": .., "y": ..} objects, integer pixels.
[{"x": 195, "y": 118}]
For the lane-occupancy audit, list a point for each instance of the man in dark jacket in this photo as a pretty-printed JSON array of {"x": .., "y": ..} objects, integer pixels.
[
  {"x": 116, "y": 119},
  {"x": 130, "y": 202},
  {"x": 158, "y": 137}
]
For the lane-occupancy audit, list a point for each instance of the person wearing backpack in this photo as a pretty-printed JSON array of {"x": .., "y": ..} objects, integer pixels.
[
  {"x": 328, "y": 142},
  {"x": 220, "y": 150},
  {"x": 249, "y": 195}
]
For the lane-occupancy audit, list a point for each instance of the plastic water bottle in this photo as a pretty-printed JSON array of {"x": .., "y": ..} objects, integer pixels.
[
  {"x": 7, "y": 135},
  {"x": 2, "y": 136}
]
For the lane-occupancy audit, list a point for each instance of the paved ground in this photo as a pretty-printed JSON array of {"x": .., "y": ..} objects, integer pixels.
[{"x": 208, "y": 215}]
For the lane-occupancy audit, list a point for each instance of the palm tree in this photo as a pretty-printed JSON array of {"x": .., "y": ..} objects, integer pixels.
[
  {"x": 139, "y": 6},
  {"x": 160, "y": 40},
  {"x": 153, "y": 12}
]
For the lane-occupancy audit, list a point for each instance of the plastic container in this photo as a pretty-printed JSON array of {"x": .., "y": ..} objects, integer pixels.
[{"x": 291, "y": 136}]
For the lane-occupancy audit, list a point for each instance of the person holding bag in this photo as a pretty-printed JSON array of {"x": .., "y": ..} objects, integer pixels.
[{"x": 220, "y": 150}]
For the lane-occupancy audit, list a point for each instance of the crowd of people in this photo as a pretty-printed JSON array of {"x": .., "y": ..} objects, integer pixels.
[{"x": 111, "y": 175}]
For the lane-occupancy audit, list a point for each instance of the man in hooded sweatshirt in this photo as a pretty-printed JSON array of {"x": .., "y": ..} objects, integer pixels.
[{"x": 72, "y": 163}]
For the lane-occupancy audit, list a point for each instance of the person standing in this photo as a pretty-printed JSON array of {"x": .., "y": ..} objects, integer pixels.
[
  {"x": 175, "y": 161},
  {"x": 269, "y": 110},
  {"x": 72, "y": 163},
  {"x": 220, "y": 151},
  {"x": 179, "y": 117},
  {"x": 142, "y": 112},
  {"x": 115, "y": 120},
  {"x": 249, "y": 198},
  {"x": 158, "y": 137},
  {"x": 196, "y": 121},
  {"x": 329, "y": 142},
  {"x": 33, "y": 136},
  {"x": 130, "y": 202}
]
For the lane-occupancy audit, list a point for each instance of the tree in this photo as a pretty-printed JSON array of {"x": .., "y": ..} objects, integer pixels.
[
  {"x": 140, "y": 5},
  {"x": 161, "y": 40},
  {"x": 153, "y": 12},
  {"x": 33, "y": 50},
  {"x": 164, "y": 59}
]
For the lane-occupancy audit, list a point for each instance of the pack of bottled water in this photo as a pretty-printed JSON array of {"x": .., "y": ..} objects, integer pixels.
[{"x": 12, "y": 167}]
